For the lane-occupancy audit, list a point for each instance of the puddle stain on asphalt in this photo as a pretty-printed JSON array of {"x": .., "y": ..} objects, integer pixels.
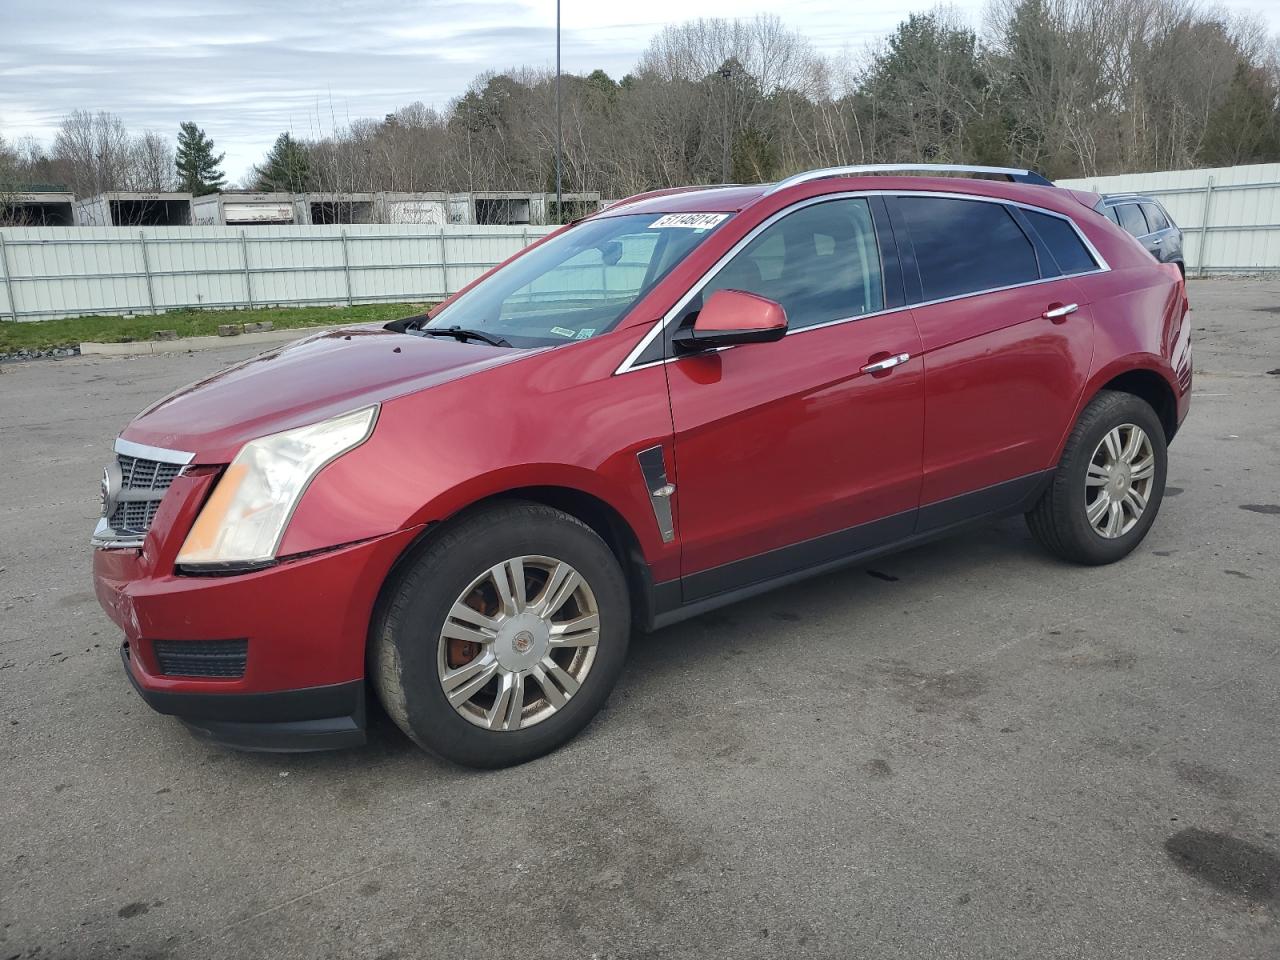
[
  {"x": 1227, "y": 863},
  {"x": 1095, "y": 654},
  {"x": 1208, "y": 778},
  {"x": 935, "y": 692},
  {"x": 879, "y": 769}
]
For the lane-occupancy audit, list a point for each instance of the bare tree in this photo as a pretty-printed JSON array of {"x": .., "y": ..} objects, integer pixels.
[
  {"x": 1066, "y": 86},
  {"x": 151, "y": 167}
]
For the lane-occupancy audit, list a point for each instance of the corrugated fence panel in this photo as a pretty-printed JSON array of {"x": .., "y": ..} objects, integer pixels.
[
  {"x": 48, "y": 272},
  {"x": 1230, "y": 216}
]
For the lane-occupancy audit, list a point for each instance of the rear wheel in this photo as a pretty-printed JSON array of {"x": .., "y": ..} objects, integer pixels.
[
  {"x": 504, "y": 637},
  {"x": 1108, "y": 485}
]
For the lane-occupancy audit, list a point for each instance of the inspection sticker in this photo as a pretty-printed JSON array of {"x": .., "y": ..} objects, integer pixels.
[
  {"x": 689, "y": 221},
  {"x": 563, "y": 332}
]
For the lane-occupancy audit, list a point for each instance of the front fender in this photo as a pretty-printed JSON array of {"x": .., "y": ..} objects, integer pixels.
[{"x": 437, "y": 452}]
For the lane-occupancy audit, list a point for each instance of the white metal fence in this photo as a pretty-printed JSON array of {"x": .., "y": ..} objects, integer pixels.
[
  {"x": 1230, "y": 216},
  {"x": 48, "y": 272}
]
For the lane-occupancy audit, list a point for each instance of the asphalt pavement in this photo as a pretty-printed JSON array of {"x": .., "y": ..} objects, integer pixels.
[{"x": 965, "y": 750}]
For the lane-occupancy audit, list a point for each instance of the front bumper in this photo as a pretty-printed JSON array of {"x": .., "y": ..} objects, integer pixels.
[
  {"x": 290, "y": 721},
  {"x": 305, "y": 620}
]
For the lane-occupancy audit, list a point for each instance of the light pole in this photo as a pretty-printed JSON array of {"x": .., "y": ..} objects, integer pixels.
[
  {"x": 559, "y": 135},
  {"x": 726, "y": 73}
]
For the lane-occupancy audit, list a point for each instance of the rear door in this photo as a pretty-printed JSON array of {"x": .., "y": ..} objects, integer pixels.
[
  {"x": 1165, "y": 240},
  {"x": 1007, "y": 338},
  {"x": 1134, "y": 221},
  {"x": 791, "y": 454}
]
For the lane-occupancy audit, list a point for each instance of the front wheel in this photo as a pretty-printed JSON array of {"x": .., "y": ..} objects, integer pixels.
[
  {"x": 504, "y": 637},
  {"x": 1108, "y": 485}
]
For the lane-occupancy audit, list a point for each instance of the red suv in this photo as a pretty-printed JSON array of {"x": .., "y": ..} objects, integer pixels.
[{"x": 686, "y": 399}]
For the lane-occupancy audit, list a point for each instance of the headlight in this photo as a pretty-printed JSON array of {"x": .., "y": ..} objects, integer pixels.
[{"x": 245, "y": 518}]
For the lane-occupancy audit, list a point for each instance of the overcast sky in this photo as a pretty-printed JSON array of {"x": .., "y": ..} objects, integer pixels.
[{"x": 247, "y": 70}]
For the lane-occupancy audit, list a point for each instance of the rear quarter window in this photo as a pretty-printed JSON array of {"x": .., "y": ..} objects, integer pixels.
[
  {"x": 1064, "y": 244},
  {"x": 1155, "y": 217},
  {"x": 966, "y": 246}
]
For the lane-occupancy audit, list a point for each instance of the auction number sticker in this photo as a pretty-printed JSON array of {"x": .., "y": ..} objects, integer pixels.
[{"x": 688, "y": 221}]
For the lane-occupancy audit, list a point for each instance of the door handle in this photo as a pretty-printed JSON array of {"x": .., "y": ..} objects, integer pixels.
[
  {"x": 1157, "y": 241},
  {"x": 888, "y": 363},
  {"x": 1059, "y": 312}
]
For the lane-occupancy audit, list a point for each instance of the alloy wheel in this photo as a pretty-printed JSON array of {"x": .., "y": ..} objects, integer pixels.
[
  {"x": 1119, "y": 480},
  {"x": 518, "y": 643}
]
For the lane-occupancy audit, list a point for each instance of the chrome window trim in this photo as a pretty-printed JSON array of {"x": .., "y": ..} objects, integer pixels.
[
  {"x": 628, "y": 364},
  {"x": 143, "y": 451}
]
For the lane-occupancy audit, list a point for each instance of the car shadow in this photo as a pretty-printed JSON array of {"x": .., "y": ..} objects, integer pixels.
[{"x": 983, "y": 551}]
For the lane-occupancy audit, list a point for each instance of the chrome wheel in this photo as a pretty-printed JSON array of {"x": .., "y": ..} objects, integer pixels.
[
  {"x": 518, "y": 643},
  {"x": 1119, "y": 481}
]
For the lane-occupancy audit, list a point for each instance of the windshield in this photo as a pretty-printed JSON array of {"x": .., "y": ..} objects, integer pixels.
[{"x": 581, "y": 283}]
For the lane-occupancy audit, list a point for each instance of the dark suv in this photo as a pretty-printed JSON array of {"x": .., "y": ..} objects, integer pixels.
[{"x": 1146, "y": 219}]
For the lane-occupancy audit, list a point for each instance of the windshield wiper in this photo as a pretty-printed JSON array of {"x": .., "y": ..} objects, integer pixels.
[{"x": 461, "y": 334}]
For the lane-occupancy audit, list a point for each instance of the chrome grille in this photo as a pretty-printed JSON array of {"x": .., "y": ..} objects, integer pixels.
[
  {"x": 139, "y": 474},
  {"x": 135, "y": 516},
  {"x": 142, "y": 487},
  {"x": 133, "y": 488}
]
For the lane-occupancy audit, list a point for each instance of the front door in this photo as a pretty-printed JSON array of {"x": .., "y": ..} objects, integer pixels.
[{"x": 790, "y": 454}]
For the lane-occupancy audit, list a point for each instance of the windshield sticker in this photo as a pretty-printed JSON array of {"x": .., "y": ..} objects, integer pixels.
[
  {"x": 689, "y": 221},
  {"x": 562, "y": 332},
  {"x": 585, "y": 332}
]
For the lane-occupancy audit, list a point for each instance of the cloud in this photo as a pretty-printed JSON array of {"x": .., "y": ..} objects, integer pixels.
[{"x": 246, "y": 70}]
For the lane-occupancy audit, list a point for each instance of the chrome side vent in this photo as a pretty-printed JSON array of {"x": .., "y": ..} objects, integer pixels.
[{"x": 653, "y": 467}]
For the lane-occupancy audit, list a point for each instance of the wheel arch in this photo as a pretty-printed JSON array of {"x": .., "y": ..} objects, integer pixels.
[
  {"x": 602, "y": 517},
  {"x": 1154, "y": 388}
]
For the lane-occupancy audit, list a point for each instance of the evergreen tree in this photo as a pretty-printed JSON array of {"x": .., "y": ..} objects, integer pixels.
[
  {"x": 199, "y": 171},
  {"x": 1245, "y": 128},
  {"x": 286, "y": 168}
]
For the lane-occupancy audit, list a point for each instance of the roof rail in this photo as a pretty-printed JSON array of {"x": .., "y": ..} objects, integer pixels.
[{"x": 1014, "y": 174}]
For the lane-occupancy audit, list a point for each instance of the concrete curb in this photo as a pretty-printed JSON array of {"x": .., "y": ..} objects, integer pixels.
[{"x": 147, "y": 347}]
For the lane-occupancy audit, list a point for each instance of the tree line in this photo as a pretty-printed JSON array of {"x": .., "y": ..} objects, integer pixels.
[{"x": 1067, "y": 87}]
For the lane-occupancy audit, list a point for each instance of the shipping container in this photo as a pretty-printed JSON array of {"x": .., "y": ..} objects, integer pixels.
[
  {"x": 431, "y": 209},
  {"x": 38, "y": 208},
  {"x": 249, "y": 210},
  {"x": 119, "y": 209}
]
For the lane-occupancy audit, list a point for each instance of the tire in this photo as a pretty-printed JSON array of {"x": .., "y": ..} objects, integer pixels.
[
  {"x": 1061, "y": 519},
  {"x": 450, "y": 592}
]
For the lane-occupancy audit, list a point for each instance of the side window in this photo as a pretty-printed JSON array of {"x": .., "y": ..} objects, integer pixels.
[
  {"x": 1156, "y": 219},
  {"x": 821, "y": 263},
  {"x": 1064, "y": 243},
  {"x": 964, "y": 246},
  {"x": 1112, "y": 215},
  {"x": 1132, "y": 220}
]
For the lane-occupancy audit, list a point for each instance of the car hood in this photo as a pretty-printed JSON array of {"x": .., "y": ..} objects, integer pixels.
[{"x": 305, "y": 382}]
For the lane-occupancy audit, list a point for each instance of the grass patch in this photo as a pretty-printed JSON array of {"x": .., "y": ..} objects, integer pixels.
[{"x": 47, "y": 334}]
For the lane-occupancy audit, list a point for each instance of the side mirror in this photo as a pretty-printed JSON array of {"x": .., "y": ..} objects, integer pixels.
[{"x": 730, "y": 317}]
